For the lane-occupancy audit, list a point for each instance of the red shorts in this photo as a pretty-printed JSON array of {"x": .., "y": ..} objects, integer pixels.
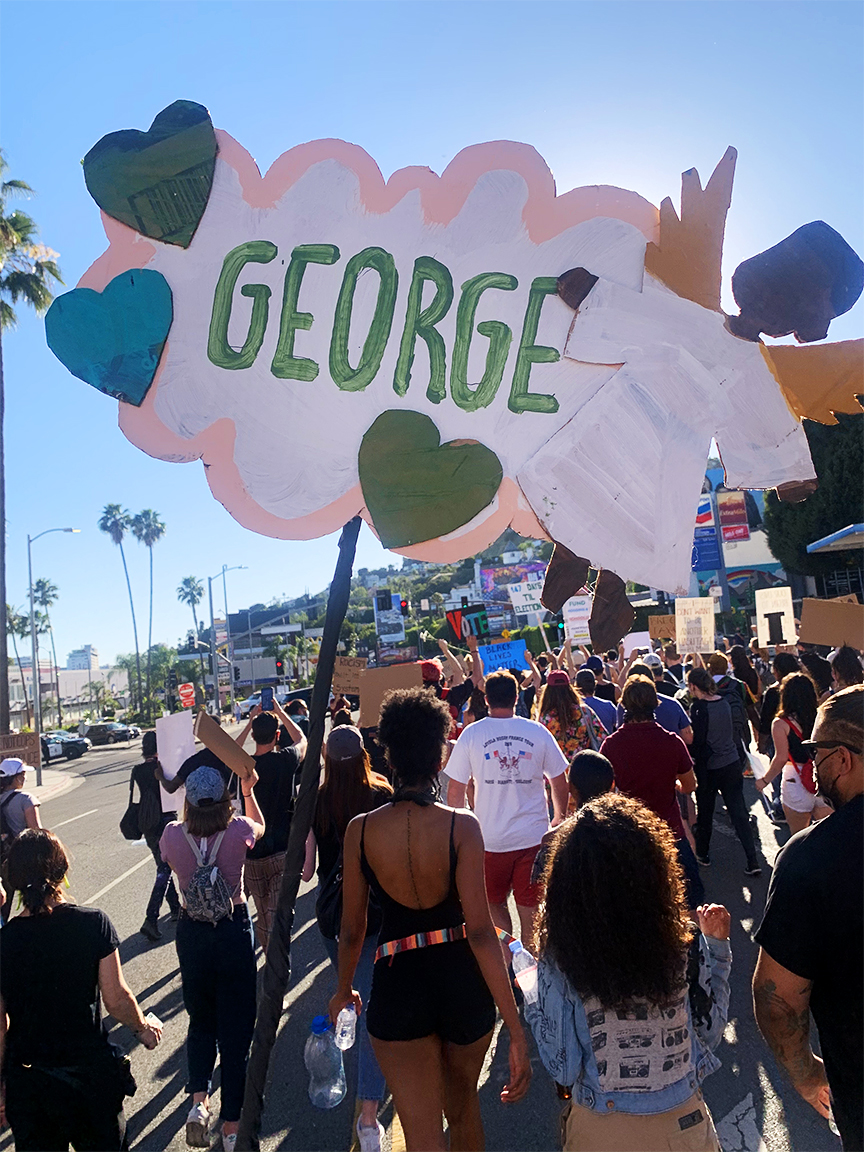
[{"x": 508, "y": 872}]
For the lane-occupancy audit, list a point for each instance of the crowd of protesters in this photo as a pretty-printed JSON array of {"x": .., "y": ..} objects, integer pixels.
[{"x": 585, "y": 789}]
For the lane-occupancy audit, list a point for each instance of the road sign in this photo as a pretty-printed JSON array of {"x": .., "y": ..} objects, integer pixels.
[
  {"x": 706, "y": 550},
  {"x": 186, "y": 692}
]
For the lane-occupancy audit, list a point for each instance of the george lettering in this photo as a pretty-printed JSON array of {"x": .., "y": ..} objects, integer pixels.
[
  {"x": 521, "y": 400},
  {"x": 471, "y": 397},
  {"x": 344, "y": 376},
  {"x": 285, "y": 364},
  {"x": 219, "y": 351},
  {"x": 422, "y": 323}
]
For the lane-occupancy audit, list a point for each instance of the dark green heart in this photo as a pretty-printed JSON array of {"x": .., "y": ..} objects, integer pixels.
[
  {"x": 157, "y": 182},
  {"x": 417, "y": 488}
]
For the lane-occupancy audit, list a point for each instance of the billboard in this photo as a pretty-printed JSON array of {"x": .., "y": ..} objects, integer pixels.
[
  {"x": 494, "y": 581},
  {"x": 389, "y": 624}
]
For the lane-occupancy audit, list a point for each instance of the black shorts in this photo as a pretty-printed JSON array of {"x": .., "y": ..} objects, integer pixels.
[{"x": 433, "y": 991}]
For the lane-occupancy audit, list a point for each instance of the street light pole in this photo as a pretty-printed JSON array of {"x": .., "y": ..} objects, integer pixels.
[
  {"x": 225, "y": 568},
  {"x": 37, "y": 685},
  {"x": 214, "y": 670}
]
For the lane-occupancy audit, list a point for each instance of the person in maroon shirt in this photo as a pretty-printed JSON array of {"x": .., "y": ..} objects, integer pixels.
[{"x": 648, "y": 763}]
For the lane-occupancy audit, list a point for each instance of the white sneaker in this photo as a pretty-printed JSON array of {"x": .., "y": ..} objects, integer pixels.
[
  {"x": 229, "y": 1142},
  {"x": 198, "y": 1126},
  {"x": 370, "y": 1138}
]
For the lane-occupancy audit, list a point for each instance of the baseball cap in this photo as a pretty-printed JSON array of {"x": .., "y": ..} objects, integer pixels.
[
  {"x": 594, "y": 664},
  {"x": 204, "y": 786},
  {"x": 557, "y": 679},
  {"x": 431, "y": 670},
  {"x": 13, "y": 766},
  {"x": 652, "y": 660},
  {"x": 344, "y": 742}
]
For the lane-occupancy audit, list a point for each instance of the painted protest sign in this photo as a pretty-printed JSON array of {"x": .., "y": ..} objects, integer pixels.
[
  {"x": 694, "y": 624},
  {"x": 576, "y": 611},
  {"x": 662, "y": 627},
  {"x": 471, "y": 620},
  {"x": 347, "y": 672},
  {"x": 510, "y": 654},
  {"x": 775, "y": 616},
  {"x": 525, "y": 598}
]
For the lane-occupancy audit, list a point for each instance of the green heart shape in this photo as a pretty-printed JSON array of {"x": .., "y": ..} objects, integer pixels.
[
  {"x": 113, "y": 339},
  {"x": 158, "y": 182},
  {"x": 417, "y": 488}
]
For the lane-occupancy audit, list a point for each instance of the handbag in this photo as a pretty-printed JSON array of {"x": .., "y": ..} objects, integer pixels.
[
  {"x": 129, "y": 823},
  {"x": 328, "y": 906}
]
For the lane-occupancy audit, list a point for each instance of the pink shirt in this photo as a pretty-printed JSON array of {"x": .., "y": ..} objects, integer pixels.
[{"x": 231, "y": 857}]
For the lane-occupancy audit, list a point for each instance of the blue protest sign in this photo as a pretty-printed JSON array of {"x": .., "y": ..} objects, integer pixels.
[{"x": 509, "y": 655}]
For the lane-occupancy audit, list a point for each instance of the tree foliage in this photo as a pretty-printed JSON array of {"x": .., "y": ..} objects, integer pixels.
[{"x": 837, "y": 502}]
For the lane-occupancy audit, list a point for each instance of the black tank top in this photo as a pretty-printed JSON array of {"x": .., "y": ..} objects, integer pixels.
[{"x": 398, "y": 920}]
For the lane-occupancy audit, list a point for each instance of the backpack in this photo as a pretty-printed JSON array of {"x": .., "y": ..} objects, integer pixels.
[
  {"x": 6, "y": 836},
  {"x": 730, "y": 689},
  {"x": 207, "y": 896}
]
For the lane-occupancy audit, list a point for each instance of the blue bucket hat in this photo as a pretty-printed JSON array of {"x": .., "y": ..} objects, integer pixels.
[{"x": 204, "y": 786}]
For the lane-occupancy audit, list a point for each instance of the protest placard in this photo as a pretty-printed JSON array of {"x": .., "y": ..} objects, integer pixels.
[
  {"x": 775, "y": 617},
  {"x": 218, "y": 741},
  {"x": 525, "y": 597},
  {"x": 661, "y": 627},
  {"x": 347, "y": 672},
  {"x": 833, "y": 622},
  {"x": 694, "y": 624},
  {"x": 576, "y": 611},
  {"x": 375, "y": 683},
  {"x": 175, "y": 739},
  {"x": 508, "y": 655}
]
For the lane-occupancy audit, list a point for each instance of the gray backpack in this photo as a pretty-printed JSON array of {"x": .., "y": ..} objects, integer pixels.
[{"x": 207, "y": 896}]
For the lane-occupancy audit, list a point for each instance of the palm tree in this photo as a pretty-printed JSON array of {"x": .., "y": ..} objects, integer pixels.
[
  {"x": 115, "y": 522},
  {"x": 191, "y": 592},
  {"x": 147, "y": 528},
  {"x": 45, "y": 595},
  {"x": 26, "y": 271},
  {"x": 18, "y": 627}
]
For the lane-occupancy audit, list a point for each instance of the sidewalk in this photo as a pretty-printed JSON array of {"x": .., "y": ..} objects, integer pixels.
[{"x": 54, "y": 783}]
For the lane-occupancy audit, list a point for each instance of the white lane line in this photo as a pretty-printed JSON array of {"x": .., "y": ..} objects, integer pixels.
[
  {"x": 72, "y": 819},
  {"x": 147, "y": 860}
]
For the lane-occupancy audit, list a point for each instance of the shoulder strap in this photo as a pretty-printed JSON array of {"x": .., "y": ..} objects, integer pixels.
[
  {"x": 132, "y": 787},
  {"x": 363, "y": 837},
  {"x": 199, "y": 859},
  {"x": 794, "y": 727},
  {"x": 213, "y": 852},
  {"x": 453, "y": 857}
]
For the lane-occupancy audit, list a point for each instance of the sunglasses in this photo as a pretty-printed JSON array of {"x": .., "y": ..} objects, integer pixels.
[{"x": 810, "y": 747}]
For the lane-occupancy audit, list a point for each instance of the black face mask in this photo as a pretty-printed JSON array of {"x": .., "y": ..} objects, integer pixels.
[{"x": 827, "y": 789}]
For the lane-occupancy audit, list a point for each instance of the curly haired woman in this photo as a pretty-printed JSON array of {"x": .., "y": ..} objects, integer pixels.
[{"x": 632, "y": 1001}]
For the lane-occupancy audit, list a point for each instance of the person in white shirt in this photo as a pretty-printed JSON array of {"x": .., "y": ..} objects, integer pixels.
[{"x": 509, "y": 759}]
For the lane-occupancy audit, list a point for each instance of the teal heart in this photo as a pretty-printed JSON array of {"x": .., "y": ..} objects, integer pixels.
[
  {"x": 417, "y": 488},
  {"x": 158, "y": 182},
  {"x": 113, "y": 339}
]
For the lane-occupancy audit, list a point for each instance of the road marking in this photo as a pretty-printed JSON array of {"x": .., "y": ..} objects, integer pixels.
[
  {"x": 114, "y": 883},
  {"x": 72, "y": 819},
  {"x": 737, "y": 1131}
]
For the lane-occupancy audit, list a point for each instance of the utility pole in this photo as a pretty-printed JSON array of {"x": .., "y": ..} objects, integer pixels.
[{"x": 214, "y": 670}]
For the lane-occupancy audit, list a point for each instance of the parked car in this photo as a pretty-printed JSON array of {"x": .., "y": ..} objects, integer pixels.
[
  {"x": 71, "y": 744},
  {"x": 108, "y": 733},
  {"x": 135, "y": 730}
]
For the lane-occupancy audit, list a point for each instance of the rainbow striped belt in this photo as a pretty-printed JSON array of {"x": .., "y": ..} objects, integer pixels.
[{"x": 424, "y": 939}]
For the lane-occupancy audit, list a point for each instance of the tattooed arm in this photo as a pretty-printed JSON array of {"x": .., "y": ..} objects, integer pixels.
[{"x": 781, "y": 1002}]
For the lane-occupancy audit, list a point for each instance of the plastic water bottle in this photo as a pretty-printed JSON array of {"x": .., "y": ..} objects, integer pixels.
[
  {"x": 324, "y": 1064},
  {"x": 525, "y": 971},
  {"x": 346, "y": 1027}
]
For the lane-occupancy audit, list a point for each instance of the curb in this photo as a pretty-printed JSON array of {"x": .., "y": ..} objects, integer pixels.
[{"x": 55, "y": 784}]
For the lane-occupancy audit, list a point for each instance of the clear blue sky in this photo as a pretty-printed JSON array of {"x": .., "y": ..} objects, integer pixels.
[{"x": 614, "y": 93}]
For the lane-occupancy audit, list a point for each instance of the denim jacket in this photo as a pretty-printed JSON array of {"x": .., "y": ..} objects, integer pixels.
[{"x": 664, "y": 1053}]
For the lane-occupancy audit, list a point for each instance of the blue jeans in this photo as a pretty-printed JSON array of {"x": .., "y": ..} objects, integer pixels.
[
  {"x": 370, "y": 1079},
  {"x": 217, "y": 967}
]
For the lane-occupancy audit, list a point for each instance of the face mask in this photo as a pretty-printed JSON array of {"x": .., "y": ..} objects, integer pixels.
[{"x": 828, "y": 787}]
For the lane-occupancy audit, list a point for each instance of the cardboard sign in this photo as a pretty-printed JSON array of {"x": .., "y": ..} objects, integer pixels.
[
  {"x": 508, "y": 655},
  {"x": 775, "y": 616},
  {"x": 472, "y": 620},
  {"x": 850, "y": 599},
  {"x": 832, "y": 622},
  {"x": 375, "y": 683},
  {"x": 175, "y": 741},
  {"x": 662, "y": 627},
  {"x": 576, "y": 611},
  {"x": 22, "y": 746},
  {"x": 525, "y": 598},
  {"x": 694, "y": 624},
  {"x": 218, "y": 741},
  {"x": 347, "y": 673}
]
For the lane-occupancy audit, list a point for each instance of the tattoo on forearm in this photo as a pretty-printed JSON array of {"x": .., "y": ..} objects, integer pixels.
[{"x": 786, "y": 1029}]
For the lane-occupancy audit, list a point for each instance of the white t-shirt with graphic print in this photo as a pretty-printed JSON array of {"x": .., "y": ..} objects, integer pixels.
[{"x": 508, "y": 759}]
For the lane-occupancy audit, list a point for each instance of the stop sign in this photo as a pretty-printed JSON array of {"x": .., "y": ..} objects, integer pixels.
[{"x": 187, "y": 694}]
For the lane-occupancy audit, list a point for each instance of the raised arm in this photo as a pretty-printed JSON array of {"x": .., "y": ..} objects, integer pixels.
[
  {"x": 452, "y": 662},
  {"x": 781, "y": 1002},
  {"x": 295, "y": 733},
  {"x": 483, "y": 941},
  {"x": 478, "y": 678},
  {"x": 170, "y": 786}
]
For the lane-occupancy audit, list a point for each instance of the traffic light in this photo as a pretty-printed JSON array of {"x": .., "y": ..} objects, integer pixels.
[
  {"x": 561, "y": 629},
  {"x": 403, "y": 607},
  {"x": 280, "y": 668},
  {"x": 236, "y": 672},
  {"x": 172, "y": 679},
  {"x": 383, "y": 600}
]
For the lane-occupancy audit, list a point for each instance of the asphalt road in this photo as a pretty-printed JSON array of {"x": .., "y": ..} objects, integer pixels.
[{"x": 752, "y": 1104}]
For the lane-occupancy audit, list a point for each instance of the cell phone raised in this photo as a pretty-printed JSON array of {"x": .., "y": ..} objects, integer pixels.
[{"x": 267, "y": 699}]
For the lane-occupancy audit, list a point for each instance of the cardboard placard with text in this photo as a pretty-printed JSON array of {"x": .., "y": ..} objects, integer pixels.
[
  {"x": 347, "y": 672},
  {"x": 694, "y": 624},
  {"x": 832, "y": 622},
  {"x": 377, "y": 682},
  {"x": 661, "y": 627},
  {"x": 21, "y": 745},
  {"x": 775, "y": 616},
  {"x": 228, "y": 751},
  {"x": 510, "y": 654}
]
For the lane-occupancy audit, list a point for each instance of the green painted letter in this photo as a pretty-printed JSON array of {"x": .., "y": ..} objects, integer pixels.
[
  {"x": 422, "y": 324},
  {"x": 219, "y": 351},
  {"x": 521, "y": 400},
  {"x": 467, "y": 396},
  {"x": 355, "y": 379},
  {"x": 285, "y": 365}
]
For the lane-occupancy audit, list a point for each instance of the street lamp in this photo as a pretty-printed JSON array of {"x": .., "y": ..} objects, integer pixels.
[
  {"x": 214, "y": 668},
  {"x": 37, "y": 686}
]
